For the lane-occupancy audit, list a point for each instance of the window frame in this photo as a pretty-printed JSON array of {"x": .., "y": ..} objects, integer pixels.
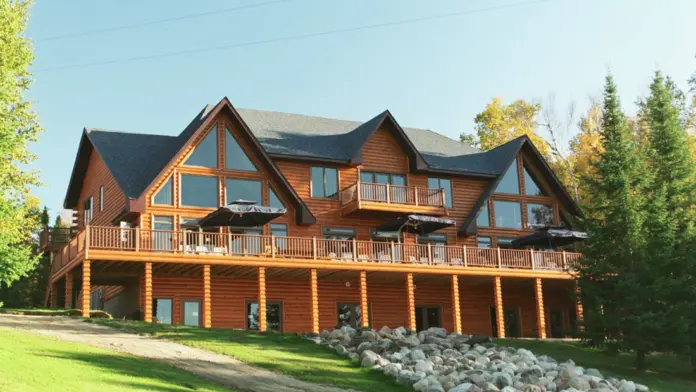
[
  {"x": 228, "y": 133},
  {"x": 87, "y": 217},
  {"x": 101, "y": 198},
  {"x": 324, "y": 230},
  {"x": 390, "y": 175},
  {"x": 272, "y": 192},
  {"x": 161, "y": 188},
  {"x": 183, "y": 311},
  {"x": 357, "y": 307},
  {"x": 449, "y": 202},
  {"x": 171, "y": 309},
  {"x": 212, "y": 131},
  {"x": 526, "y": 172},
  {"x": 268, "y": 303},
  {"x": 323, "y": 170},
  {"x": 487, "y": 210},
  {"x": 495, "y": 214},
  {"x": 181, "y": 190},
  {"x": 490, "y": 241},
  {"x": 529, "y": 224},
  {"x": 516, "y": 166},
  {"x": 259, "y": 181}
]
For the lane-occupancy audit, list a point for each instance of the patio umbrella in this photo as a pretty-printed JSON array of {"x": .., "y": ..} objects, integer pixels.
[
  {"x": 416, "y": 224},
  {"x": 551, "y": 236},
  {"x": 242, "y": 213}
]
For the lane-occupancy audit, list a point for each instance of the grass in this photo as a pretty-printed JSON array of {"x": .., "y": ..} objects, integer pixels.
[
  {"x": 284, "y": 353},
  {"x": 667, "y": 373},
  {"x": 55, "y": 312},
  {"x": 32, "y": 362}
]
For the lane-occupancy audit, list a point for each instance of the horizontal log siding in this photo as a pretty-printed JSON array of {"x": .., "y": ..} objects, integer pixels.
[
  {"x": 558, "y": 296},
  {"x": 98, "y": 175},
  {"x": 388, "y": 304},
  {"x": 519, "y": 294},
  {"x": 383, "y": 153},
  {"x": 476, "y": 299},
  {"x": 332, "y": 293}
]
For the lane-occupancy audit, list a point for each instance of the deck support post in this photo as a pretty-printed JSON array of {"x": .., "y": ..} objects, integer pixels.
[
  {"x": 579, "y": 312},
  {"x": 541, "y": 315},
  {"x": 456, "y": 310},
  {"x": 411, "y": 302},
  {"x": 86, "y": 287},
  {"x": 499, "y": 313},
  {"x": 262, "y": 299},
  {"x": 148, "y": 293},
  {"x": 68, "y": 290},
  {"x": 206, "y": 296},
  {"x": 364, "y": 311},
  {"x": 315, "y": 299}
]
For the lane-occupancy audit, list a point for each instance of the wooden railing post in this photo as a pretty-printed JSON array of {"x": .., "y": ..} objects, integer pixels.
[
  {"x": 500, "y": 261},
  {"x": 565, "y": 261},
  {"x": 444, "y": 202},
  {"x": 430, "y": 253},
  {"x": 359, "y": 189},
  {"x": 355, "y": 249},
  {"x": 273, "y": 247},
  {"x": 183, "y": 241},
  {"x": 393, "y": 255},
  {"x": 464, "y": 255},
  {"x": 531, "y": 258},
  {"x": 229, "y": 243},
  {"x": 87, "y": 241},
  {"x": 415, "y": 191},
  {"x": 314, "y": 247},
  {"x": 137, "y": 239},
  {"x": 388, "y": 196}
]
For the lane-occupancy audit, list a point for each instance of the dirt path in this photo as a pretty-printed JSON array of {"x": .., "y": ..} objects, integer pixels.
[{"x": 217, "y": 368}]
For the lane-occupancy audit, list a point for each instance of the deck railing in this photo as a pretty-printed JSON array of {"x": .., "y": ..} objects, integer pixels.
[
  {"x": 246, "y": 245},
  {"x": 56, "y": 235},
  {"x": 75, "y": 246},
  {"x": 394, "y": 194}
]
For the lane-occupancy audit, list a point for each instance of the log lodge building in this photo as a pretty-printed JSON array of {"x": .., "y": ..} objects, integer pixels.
[{"x": 136, "y": 249}]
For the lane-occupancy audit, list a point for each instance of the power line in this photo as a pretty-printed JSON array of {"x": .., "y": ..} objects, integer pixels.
[
  {"x": 155, "y": 22},
  {"x": 294, "y": 37}
]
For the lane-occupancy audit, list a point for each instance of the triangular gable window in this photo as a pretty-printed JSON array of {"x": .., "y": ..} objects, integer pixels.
[
  {"x": 205, "y": 153},
  {"x": 235, "y": 157},
  {"x": 164, "y": 196},
  {"x": 274, "y": 201},
  {"x": 531, "y": 186},
  {"x": 510, "y": 183}
]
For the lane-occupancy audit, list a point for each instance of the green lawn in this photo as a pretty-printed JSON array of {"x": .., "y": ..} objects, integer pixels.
[
  {"x": 30, "y": 362},
  {"x": 54, "y": 312},
  {"x": 289, "y": 354},
  {"x": 667, "y": 373}
]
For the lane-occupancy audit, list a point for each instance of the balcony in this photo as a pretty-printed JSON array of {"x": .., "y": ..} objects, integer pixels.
[
  {"x": 364, "y": 196},
  {"x": 54, "y": 238},
  {"x": 113, "y": 243}
]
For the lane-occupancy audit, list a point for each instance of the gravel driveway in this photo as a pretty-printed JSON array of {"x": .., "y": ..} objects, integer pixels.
[{"x": 217, "y": 368}]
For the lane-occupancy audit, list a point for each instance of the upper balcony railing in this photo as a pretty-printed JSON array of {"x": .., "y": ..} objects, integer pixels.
[
  {"x": 57, "y": 236},
  {"x": 394, "y": 194},
  {"x": 283, "y": 248}
]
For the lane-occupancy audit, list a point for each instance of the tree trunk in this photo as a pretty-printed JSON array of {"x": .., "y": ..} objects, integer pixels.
[{"x": 641, "y": 364}]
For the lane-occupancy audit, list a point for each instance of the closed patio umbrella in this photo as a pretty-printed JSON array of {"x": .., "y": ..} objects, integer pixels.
[
  {"x": 242, "y": 213},
  {"x": 416, "y": 224},
  {"x": 550, "y": 236}
]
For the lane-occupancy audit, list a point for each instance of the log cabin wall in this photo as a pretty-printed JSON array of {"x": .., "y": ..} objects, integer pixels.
[{"x": 114, "y": 202}]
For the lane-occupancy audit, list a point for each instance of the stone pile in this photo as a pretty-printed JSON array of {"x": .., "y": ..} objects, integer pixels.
[{"x": 433, "y": 361}]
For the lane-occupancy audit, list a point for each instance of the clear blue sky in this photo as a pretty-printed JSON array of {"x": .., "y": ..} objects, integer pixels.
[{"x": 433, "y": 74}]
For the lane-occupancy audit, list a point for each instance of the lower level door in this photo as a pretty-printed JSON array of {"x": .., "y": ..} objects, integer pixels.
[
  {"x": 192, "y": 312},
  {"x": 428, "y": 317},
  {"x": 556, "y": 323}
]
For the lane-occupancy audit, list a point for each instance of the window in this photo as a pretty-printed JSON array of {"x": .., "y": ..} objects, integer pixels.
[
  {"x": 324, "y": 182},
  {"x": 442, "y": 183},
  {"x": 428, "y": 317},
  {"x": 199, "y": 191},
  {"x": 87, "y": 213},
  {"x": 383, "y": 178},
  {"x": 508, "y": 214},
  {"x": 273, "y": 199},
  {"x": 205, "y": 153},
  {"x": 433, "y": 239},
  {"x": 162, "y": 309},
  {"x": 164, "y": 196},
  {"x": 539, "y": 215},
  {"x": 280, "y": 230},
  {"x": 505, "y": 243},
  {"x": 192, "y": 312},
  {"x": 350, "y": 314},
  {"x": 334, "y": 233},
  {"x": 510, "y": 183},
  {"x": 244, "y": 190},
  {"x": 162, "y": 236},
  {"x": 483, "y": 242},
  {"x": 235, "y": 157},
  {"x": 483, "y": 219},
  {"x": 274, "y": 316},
  {"x": 531, "y": 186},
  {"x": 101, "y": 198}
]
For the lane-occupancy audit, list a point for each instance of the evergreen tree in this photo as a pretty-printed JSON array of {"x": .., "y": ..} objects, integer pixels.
[{"x": 614, "y": 276}]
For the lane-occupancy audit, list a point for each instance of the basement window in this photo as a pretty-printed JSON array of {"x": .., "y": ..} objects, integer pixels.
[
  {"x": 162, "y": 309},
  {"x": 350, "y": 314},
  {"x": 274, "y": 316}
]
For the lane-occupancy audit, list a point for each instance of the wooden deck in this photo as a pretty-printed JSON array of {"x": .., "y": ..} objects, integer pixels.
[
  {"x": 113, "y": 243},
  {"x": 364, "y": 196}
]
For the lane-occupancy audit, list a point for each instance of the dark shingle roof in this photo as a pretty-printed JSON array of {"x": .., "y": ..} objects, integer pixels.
[{"x": 136, "y": 159}]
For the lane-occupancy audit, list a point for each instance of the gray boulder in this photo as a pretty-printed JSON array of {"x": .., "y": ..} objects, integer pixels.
[
  {"x": 580, "y": 384},
  {"x": 594, "y": 373},
  {"x": 417, "y": 355},
  {"x": 424, "y": 366},
  {"x": 369, "y": 358},
  {"x": 341, "y": 350},
  {"x": 465, "y": 387},
  {"x": 627, "y": 386},
  {"x": 407, "y": 377},
  {"x": 642, "y": 388},
  {"x": 502, "y": 380}
]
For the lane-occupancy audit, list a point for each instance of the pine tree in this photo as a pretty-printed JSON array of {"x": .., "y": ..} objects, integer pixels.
[{"x": 614, "y": 277}]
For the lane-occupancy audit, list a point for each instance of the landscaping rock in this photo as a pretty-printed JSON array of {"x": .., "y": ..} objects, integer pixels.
[{"x": 433, "y": 361}]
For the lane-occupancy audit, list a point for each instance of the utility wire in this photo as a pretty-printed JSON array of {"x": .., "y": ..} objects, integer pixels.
[
  {"x": 160, "y": 21},
  {"x": 294, "y": 37}
]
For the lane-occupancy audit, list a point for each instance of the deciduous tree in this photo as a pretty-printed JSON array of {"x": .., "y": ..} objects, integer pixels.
[{"x": 18, "y": 128}]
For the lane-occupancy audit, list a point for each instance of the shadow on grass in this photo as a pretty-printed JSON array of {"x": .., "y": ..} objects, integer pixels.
[{"x": 285, "y": 353}]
